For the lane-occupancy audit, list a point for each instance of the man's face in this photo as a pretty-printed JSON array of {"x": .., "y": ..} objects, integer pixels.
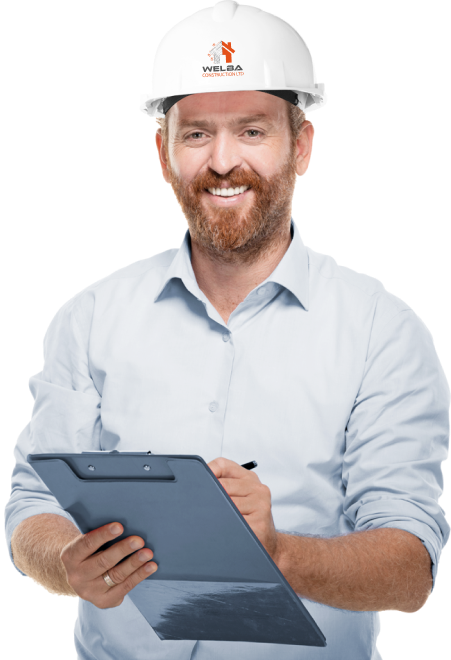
[{"x": 230, "y": 140}]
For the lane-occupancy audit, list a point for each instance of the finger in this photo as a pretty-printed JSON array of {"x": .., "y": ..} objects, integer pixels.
[
  {"x": 235, "y": 471},
  {"x": 121, "y": 571},
  {"x": 238, "y": 487},
  {"x": 114, "y": 596},
  {"x": 87, "y": 544},
  {"x": 116, "y": 558},
  {"x": 223, "y": 467}
]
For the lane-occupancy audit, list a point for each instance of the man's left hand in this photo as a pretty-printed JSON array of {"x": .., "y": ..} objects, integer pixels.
[{"x": 251, "y": 497}]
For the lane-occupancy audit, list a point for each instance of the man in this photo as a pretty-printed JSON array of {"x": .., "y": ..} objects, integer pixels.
[{"x": 244, "y": 344}]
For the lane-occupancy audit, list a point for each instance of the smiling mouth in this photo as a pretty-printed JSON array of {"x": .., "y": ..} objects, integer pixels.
[{"x": 227, "y": 192}]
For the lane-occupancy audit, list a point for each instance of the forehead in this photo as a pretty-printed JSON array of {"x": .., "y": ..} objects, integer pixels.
[{"x": 224, "y": 108}]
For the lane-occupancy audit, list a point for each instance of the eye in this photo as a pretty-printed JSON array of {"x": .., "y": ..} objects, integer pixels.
[
  {"x": 253, "y": 132},
  {"x": 196, "y": 135}
]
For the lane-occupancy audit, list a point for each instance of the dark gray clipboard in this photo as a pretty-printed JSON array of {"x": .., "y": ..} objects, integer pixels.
[{"x": 215, "y": 580}]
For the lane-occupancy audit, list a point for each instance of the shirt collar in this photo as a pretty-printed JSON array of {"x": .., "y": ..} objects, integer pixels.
[{"x": 292, "y": 271}]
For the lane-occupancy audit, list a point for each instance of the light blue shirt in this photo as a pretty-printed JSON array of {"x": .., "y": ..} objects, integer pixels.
[{"x": 329, "y": 382}]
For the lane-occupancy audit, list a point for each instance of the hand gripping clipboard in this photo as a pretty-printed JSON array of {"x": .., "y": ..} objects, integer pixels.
[{"x": 215, "y": 580}]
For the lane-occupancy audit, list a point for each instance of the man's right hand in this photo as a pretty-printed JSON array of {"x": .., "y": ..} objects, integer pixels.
[{"x": 85, "y": 566}]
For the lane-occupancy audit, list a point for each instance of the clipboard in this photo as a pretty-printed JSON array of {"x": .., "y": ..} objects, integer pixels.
[{"x": 215, "y": 580}]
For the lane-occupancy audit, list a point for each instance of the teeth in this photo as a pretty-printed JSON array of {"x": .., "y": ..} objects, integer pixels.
[{"x": 227, "y": 192}]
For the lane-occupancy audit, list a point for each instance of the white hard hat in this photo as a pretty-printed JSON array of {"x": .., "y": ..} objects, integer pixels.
[{"x": 257, "y": 51}]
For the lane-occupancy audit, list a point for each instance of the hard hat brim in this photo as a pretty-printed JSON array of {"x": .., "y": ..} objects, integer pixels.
[{"x": 309, "y": 98}]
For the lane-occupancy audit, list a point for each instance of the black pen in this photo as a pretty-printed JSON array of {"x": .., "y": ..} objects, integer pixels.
[{"x": 250, "y": 466}]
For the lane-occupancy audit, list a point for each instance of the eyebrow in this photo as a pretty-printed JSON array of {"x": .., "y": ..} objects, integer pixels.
[{"x": 209, "y": 125}]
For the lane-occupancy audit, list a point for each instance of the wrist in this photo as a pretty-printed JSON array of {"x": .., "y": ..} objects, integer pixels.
[{"x": 281, "y": 551}]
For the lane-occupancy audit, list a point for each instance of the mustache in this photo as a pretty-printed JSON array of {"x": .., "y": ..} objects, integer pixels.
[{"x": 232, "y": 182}]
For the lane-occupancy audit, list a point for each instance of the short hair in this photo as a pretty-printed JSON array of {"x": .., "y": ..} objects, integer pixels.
[{"x": 296, "y": 118}]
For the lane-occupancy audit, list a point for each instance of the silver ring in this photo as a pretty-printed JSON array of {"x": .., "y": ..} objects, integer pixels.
[{"x": 108, "y": 580}]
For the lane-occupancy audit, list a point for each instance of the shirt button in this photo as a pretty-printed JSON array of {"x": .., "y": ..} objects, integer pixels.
[
  {"x": 225, "y": 337},
  {"x": 213, "y": 406}
]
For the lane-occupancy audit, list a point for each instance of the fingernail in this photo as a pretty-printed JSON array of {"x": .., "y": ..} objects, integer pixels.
[
  {"x": 151, "y": 568},
  {"x": 115, "y": 529}
]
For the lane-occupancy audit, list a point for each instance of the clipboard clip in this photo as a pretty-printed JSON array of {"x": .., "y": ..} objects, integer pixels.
[{"x": 113, "y": 451}]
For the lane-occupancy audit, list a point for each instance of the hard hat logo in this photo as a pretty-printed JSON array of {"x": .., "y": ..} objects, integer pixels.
[
  {"x": 225, "y": 49},
  {"x": 221, "y": 48}
]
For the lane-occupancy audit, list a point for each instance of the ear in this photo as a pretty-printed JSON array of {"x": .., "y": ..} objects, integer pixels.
[
  {"x": 304, "y": 147},
  {"x": 162, "y": 155}
]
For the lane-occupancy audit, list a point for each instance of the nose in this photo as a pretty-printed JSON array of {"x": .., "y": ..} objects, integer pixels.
[{"x": 224, "y": 155}]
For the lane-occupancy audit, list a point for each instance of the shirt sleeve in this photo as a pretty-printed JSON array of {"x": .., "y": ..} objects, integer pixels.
[
  {"x": 398, "y": 434},
  {"x": 65, "y": 418}
]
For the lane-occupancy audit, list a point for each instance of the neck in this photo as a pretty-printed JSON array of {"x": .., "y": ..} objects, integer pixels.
[{"x": 226, "y": 285}]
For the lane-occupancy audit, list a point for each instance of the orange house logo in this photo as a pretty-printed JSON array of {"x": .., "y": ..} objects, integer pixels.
[
  {"x": 218, "y": 49},
  {"x": 221, "y": 48}
]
